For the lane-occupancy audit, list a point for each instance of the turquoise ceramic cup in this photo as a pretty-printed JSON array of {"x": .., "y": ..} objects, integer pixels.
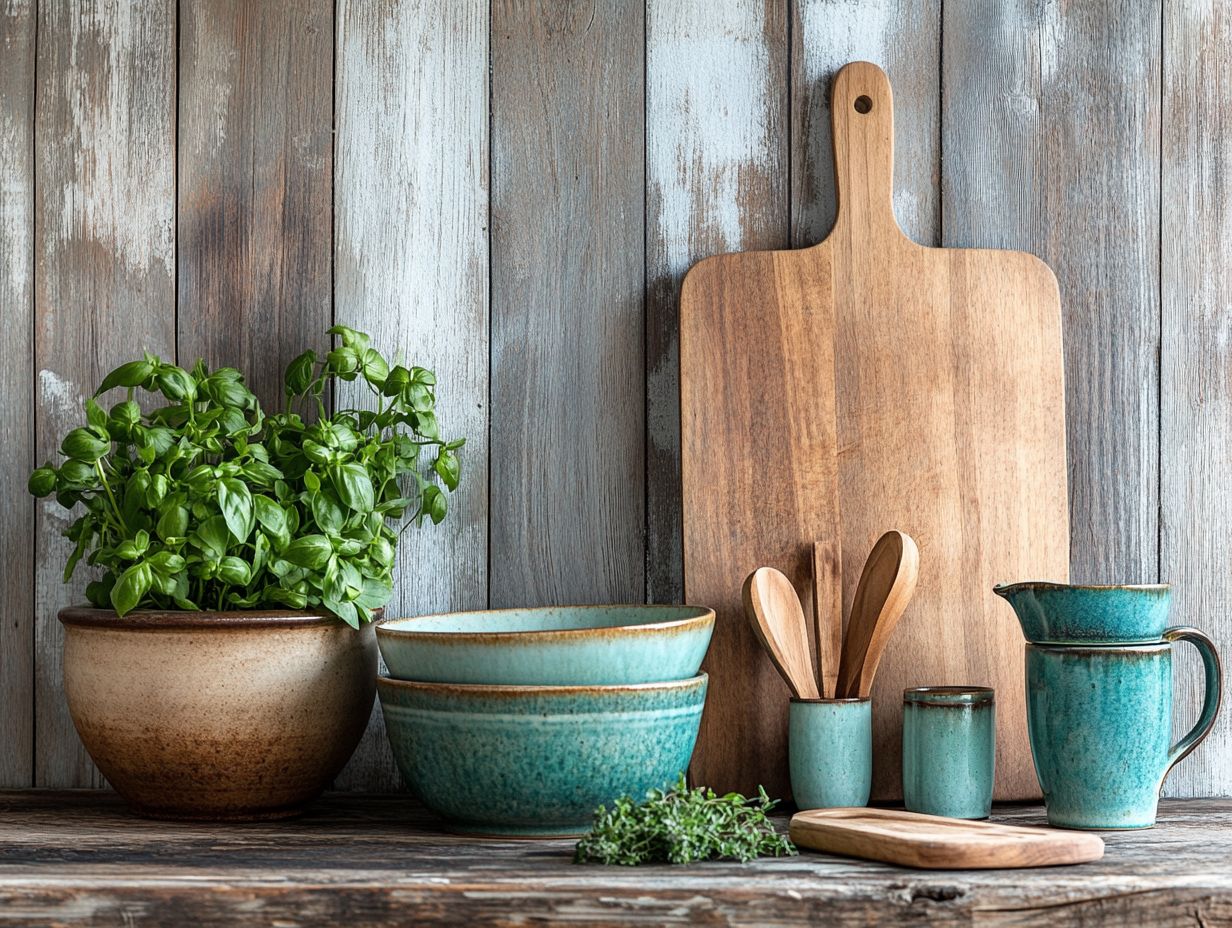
[
  {"x": 830, "y": 752},
  {"x": 1100, "y": 723},
  {"x": 949, "y": 750}
]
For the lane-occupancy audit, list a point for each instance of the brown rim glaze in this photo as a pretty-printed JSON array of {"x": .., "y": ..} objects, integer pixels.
[
  {"x": 831, "y": 701},
  {"x": 1002, "y": 588},
  {"x": 958, "y": 696},
  {"x": 704, "y": 616},
  {"x": 510, "y": 689},
  {"x": 153, "y": 619}
]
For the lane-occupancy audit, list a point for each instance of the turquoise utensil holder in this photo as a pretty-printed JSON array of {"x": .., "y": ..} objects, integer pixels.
[
  {"x": 830, "y": 752},
  {"x": 949, "y": 750}
]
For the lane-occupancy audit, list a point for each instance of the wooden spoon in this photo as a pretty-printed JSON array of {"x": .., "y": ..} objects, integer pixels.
[
  {"x": 778, "y": 620},
  {"x": 828, "y": 613},
  {"x": 885, "y": 588}
]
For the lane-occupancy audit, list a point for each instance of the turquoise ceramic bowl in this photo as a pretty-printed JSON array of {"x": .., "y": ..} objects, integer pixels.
[
  {"x": 1060, "y": 613},
  {"x": 535, "y": 761},
  {"x": 549, "y": 646}
]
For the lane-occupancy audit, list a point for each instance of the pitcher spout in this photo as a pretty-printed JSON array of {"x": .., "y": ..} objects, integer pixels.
[{"x": 1063, "y": 613}]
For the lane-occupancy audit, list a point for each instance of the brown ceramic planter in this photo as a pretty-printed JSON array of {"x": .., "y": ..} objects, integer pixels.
[{"x": 218, "y": 715}]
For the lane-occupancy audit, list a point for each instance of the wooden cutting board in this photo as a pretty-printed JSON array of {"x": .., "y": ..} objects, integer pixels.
[
  {"x": 936, "y": 843},
  {"x": 943, "y": 369}
]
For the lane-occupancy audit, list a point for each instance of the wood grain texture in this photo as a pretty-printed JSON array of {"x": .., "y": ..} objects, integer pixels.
[
  {"x": 411, "y": 266},
  {"x": 1051, "y": 136},
  {"x": 255, "y": 174},
  {"x": 950, "y": 427},
  {"x": 828, "y": 612},
  {"x": 17, "y": 30},
  {"x": 904, "y": 38},
  {"x": 104, "y": 269},
  {"x": 716, "y": 181},
  {"x": 1196, "y": 419},
  {"x": 758, "y": 451},
  {"x": 932, "y": 842},
  {"x": 567, "y": 454},
  {"x": 82, "y": 860}
]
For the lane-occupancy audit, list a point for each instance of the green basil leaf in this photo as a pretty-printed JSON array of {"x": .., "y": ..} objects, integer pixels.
[
  {"x": 235, "y": 571},
  {"x": 235, "y": 501},
  {"x": 375, "y": 593},
  {"x": 271, "y": 516},
  {"x": 375, "y": 367},
  {"x": 290, "y": 598},
  {"x": 130, "y": 587},
  {"x": 42, "y": 482},
  {"x": 311, "y": 551},
  {"x": 132, "y": 374},
  {"x": 176, "y": 383},
  {"x": 299, "y": 373},
  {"x": 433, "y": 504},
  {"x": 343, "y": 610},
  {"x": 95, "y": 415},
  {"x": 327, "y": 512},
  {"x": 212, "y": 536},
  {"x": 353, "y": 485},
  {"x": 166, "y": 562},
  {"x": 84, "y": 445},
  {"x": 173, "y": 523},
  {"x": 448, "y": 468}
]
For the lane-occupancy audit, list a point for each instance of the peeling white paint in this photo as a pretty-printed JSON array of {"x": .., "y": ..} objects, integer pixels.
[{"x": 60, "y": 397}]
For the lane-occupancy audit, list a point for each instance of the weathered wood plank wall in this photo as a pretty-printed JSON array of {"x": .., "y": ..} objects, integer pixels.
[{"x": 512, "y": 190}]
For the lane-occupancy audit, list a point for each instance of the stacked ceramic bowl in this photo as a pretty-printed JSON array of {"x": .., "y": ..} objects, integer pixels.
[{"x": 522, "y": 721}]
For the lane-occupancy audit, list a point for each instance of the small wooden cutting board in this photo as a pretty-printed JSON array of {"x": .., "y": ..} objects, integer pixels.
[{"x": 932, "y": 842}]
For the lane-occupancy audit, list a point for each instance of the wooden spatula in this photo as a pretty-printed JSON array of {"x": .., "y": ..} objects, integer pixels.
[
  {"x": 828, "y": 613},
  {"x": 886, "y": 585},
  {"x": 774, "y": 609},
  {"x": 910, "y": 839}
]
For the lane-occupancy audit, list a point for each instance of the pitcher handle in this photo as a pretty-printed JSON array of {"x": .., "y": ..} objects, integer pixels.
[{"x": 1213, "y": 674}]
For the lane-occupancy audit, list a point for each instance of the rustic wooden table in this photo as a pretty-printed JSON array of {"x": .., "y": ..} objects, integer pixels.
[{"x": 79, "y": 859}]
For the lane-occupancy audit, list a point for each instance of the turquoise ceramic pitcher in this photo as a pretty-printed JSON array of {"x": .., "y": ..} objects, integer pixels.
[{"x": 1100, "y": 723}]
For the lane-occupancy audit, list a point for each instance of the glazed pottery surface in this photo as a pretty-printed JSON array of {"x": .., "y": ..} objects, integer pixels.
[
  {"x": 537, "y": 760},
  {"x": 1100, "y": 722},
  {"x": 949, "y": 750},
  {"x": 830, "y": 752},
  {"x": 216, "y": 716},
  {"x": 1059, "y": 613},
  {"x": 549, "y": 646}
]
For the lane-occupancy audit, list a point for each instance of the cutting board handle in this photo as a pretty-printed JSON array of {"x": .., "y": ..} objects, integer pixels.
[{"x": 862, "y": 111}]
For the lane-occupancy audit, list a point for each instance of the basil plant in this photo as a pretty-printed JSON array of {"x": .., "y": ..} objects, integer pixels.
[{"x": 207, "y": 502}]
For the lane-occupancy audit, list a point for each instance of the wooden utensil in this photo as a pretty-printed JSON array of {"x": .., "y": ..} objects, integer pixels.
[
  {"x": 828, "y": 613},
  {"x": 938, "y": 372},
  {"x": 774, "y": 610},
  {"x": 935, "y": 843},
  {"x": 885, "y": 588}
]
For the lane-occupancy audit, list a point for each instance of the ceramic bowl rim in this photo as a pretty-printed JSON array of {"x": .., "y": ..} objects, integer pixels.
[
  {"x": 511, "y": 689},
  {"x": 1002, "y": 588},
  {"x": 83, "y": 616},
  {"x": 705, "y": 616}
]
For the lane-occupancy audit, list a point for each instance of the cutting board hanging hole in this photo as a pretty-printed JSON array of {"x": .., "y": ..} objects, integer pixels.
[{"x": 864, "y": 104}]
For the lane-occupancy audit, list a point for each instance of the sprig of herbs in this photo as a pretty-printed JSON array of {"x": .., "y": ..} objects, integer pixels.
[
  {"x": 206, "y": 502},
  {"x": 681, "y": 826}
]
